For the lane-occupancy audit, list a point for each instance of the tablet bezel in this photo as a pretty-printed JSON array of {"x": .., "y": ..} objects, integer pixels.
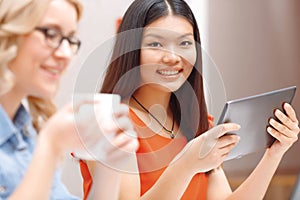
[{"x": 253, "y": 113}]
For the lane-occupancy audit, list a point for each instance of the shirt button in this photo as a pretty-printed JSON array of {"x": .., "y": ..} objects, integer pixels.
[{"x": 2, "y": 189}]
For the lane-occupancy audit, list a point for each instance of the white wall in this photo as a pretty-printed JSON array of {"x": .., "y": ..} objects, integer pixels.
[{"x": 97, "y": 26}]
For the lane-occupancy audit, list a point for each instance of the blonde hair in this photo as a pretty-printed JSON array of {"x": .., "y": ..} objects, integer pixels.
[{"x": 17, "y": 18}]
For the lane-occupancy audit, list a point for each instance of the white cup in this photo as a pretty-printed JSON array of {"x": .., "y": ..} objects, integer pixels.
[{"x": 94, "y": 118}]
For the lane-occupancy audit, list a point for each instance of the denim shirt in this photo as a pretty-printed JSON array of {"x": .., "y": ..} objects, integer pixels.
[{"x": 17, "y": 142}]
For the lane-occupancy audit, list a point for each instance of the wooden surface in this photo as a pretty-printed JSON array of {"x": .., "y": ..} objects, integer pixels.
[{"x": 280, "y": 188}]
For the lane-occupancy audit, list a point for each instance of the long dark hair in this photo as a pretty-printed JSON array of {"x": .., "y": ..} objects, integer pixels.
[{"x": 190, "y": 113}]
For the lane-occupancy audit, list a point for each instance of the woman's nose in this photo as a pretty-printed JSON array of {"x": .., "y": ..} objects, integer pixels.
[
  {"x": 64, "y": 50},
  {"x": 170, "y": 57}
]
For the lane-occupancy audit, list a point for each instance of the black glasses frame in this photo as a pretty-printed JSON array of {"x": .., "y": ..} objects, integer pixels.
[{"x": 71, "y": 42}]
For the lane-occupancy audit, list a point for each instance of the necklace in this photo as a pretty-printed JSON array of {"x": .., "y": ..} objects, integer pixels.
[{"x": 171, "y": 132}]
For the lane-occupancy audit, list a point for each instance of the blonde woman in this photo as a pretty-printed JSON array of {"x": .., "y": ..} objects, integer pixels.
[{"x": 37, "y": 41}]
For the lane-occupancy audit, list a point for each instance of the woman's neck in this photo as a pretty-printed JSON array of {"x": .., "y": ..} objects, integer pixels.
[
  {"x": 10, "y": 102},
  {"x": 150, "y": 97},
  {"x": 152, "y": 107}
]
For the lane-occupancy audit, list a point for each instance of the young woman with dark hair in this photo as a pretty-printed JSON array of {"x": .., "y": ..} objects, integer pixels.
[{"x": 156, "y": 68}]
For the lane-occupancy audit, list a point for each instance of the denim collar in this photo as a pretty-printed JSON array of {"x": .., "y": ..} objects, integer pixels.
[{"x": 8, "y": 128}]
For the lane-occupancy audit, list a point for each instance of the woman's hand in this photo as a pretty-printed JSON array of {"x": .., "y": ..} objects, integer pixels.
[
  {"x": 60, "y": 132},
  {"x": 209, "y": 150},
  {"x": 83, "y": 128},
  {"x": 285, "y": 130},
  {"x": 122, "y": 142}
]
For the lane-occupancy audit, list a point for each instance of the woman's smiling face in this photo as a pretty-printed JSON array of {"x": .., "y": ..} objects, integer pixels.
[
  {"x": 168, "y": 53},
  {"x": 38, "y": 67}
]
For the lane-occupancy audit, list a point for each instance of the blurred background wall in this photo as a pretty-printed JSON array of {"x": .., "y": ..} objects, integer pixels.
[
  {"x": 255, "y": 46},
  {"x": 249, "y": 47}
]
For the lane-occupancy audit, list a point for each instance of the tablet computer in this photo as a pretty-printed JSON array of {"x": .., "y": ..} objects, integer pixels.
[{"x": 253, "y": 114}]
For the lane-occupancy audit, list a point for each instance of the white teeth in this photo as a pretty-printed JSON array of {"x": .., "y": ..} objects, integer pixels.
[
  {"x": 168, "y": 73},
  {"x": 53, "y": 71}
]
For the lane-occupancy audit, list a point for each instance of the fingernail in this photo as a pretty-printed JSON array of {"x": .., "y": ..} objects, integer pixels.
[{"x": 269, "y": 129}]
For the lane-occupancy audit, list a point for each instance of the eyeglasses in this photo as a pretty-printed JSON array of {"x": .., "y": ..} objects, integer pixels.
[{"x": 54, "y": 38}]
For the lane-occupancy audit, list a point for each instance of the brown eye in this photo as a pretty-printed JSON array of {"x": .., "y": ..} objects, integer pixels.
[
  {"x": 154, "y": 44},
  {"x": 186, "y": 43}
]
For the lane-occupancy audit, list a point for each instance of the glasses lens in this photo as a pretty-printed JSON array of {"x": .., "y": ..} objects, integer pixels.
[
  {"x": 54, "y": 38},
  {"x": 74, "y": 43}
]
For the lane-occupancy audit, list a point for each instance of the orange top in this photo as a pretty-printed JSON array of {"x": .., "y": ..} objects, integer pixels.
[
  {"x": 154, "y": 155},
  {"x": 87, "y": 179}
]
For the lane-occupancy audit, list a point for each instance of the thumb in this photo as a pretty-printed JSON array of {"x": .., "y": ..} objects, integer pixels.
[
  {"x": 222, "y": 129},
  {"x": 213, "y": 135}
]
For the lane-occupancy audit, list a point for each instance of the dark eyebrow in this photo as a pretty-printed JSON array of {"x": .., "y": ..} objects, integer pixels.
[
  {"x": 187, "y": 35},
  {"x": 160, "y": 37},
  {"x": 153, "y": 35}
]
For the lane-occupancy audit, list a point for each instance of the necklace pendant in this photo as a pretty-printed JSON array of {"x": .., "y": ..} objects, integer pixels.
[{"x": 172, "y": 135}]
